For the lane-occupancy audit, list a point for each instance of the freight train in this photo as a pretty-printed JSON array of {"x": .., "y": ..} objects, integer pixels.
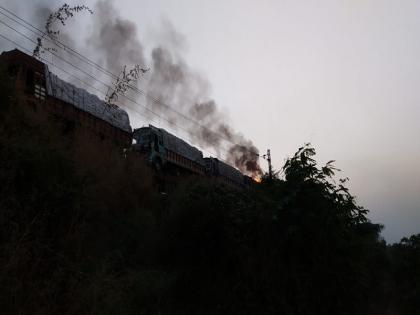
[{"x": 76, "y": 107}]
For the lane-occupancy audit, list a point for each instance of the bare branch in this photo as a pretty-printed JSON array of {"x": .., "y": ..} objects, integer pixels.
[
  {"x": 61, "y": 15},
  {"x": 123, "y": 83}
]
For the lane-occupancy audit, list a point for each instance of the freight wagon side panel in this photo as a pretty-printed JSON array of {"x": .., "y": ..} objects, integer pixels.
[{"x": 184, "y": 162}]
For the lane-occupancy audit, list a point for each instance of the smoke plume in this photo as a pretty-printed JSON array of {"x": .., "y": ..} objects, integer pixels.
[
  {"x": 115, "y": 39},
  {"x": 173, "y": 82},
  {"x": 174, "y": 89}
]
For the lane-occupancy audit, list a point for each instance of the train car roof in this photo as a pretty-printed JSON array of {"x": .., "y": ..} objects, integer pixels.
[
  {"x": 178, "y": 145},
  {"x": 86, "y": 101},
  {"x": 71, "y": 94}
]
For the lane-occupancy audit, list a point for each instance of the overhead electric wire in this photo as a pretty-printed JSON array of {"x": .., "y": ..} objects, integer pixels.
[
  {"x": 94, "y": 78},
  {"x": 57, "y": 56},
  {"x": 41, "y": 33},
  {"x": 107, "y": 72},
  {"x": 101, "y": 92},
  {"x": 103, "y": 70}
]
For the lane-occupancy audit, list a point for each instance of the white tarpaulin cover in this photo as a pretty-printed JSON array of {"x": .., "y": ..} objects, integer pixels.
[{"x": 85, "y": 101}]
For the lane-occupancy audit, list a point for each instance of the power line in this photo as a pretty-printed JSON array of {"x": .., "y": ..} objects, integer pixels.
[
  {"x": 57, "y": 56},
  {"x": 41, "y": 33},
  {"x": 103, "y": 93},
  {"x": 94, "y": 78},
  {"x": 109, "y": 73}
]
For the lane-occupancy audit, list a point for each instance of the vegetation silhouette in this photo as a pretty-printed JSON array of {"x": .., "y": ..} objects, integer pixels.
[{"x": 83, "y": 230}]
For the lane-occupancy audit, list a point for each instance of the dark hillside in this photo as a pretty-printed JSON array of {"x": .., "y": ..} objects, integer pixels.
[{"x": 84, "y": 230}]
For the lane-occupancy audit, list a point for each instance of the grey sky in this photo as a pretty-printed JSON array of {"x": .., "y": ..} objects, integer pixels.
[{"x": 343, "y": 75}]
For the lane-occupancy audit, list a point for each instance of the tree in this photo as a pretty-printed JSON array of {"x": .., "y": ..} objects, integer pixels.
[{"x": 406, "y": 271}]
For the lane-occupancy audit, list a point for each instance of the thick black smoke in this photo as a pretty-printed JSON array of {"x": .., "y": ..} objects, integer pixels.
[
  {"x": 115, "y": 39},
  {"x": 173, "y": 82},
  {"x": 114, "y": 42}
]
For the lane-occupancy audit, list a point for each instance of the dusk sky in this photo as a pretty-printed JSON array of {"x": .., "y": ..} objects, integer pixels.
[{"x": 342, "y": 75}]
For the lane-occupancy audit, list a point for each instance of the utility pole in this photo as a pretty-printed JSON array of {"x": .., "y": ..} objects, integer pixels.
[{"x": 270, "y": 168}]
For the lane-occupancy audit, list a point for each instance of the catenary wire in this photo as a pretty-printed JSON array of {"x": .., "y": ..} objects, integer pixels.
[
  {"x": 103, "y": 93},
  {"x": 103, "y": 83},
  {"x": 109, "y": 73}
]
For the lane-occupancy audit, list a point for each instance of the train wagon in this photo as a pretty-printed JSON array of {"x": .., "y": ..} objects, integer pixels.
[
  {"x": 164, "y": 149},
  {"x": 249, "y": 182},
  {"x": 75, "y": 107},
  {"x": 46, "y": 93},
  {"x": 224, "y": 172}
]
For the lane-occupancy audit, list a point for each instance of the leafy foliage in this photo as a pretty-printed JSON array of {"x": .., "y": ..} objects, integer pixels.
[
  {"x": 83, "y": 230},
  {"x": 406, "y": 268}
]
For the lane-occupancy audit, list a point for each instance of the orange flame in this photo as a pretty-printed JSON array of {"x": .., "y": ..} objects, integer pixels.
[{"x": 257, "y": 179}]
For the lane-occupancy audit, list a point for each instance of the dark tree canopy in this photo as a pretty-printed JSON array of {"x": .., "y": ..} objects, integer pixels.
[{"x": 83, "y": 230}]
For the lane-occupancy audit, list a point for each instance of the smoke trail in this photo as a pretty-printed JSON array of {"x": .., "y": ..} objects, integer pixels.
[
  {"x": 174, "y": 82},
  {"x": 115, "y": 42}
]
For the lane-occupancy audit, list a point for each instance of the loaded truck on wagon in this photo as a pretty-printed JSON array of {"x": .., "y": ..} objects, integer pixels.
[
  {"x": 107, "y": 122},
  {"x": 224, "y": 172},
  {"x": 164, "y": 149}
]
